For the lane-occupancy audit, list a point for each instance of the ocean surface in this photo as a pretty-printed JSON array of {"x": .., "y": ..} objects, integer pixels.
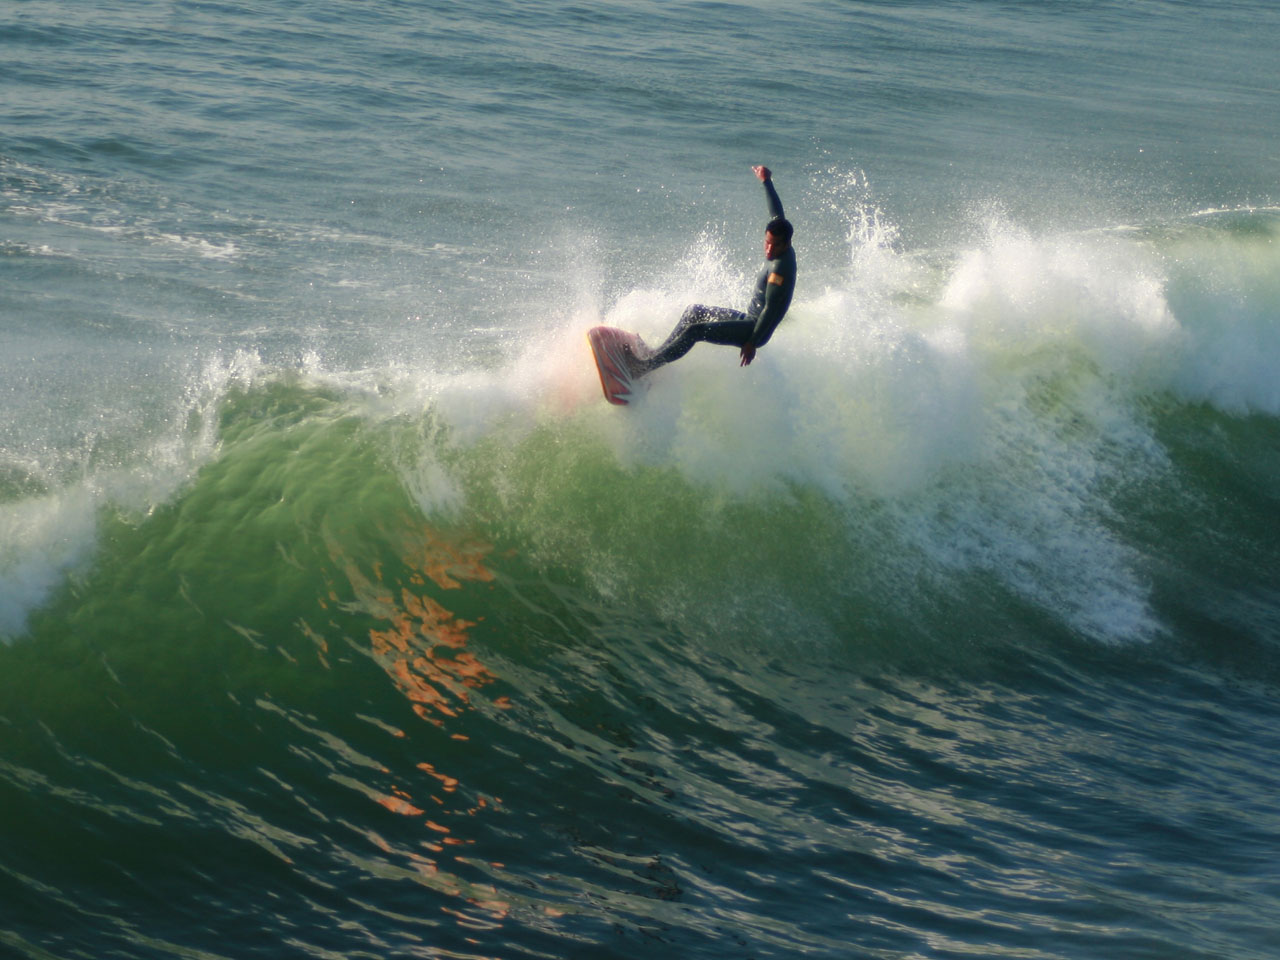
[{"x": 340, "y": 617}]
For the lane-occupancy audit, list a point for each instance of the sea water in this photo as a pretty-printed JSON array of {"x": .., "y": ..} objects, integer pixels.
[{"x": 341, "y": 617}]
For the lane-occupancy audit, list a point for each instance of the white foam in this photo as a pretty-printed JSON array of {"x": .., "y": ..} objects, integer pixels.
[
  {"x": 42, "y": 539},
  {"x": 1226, "y": 290},
  {"x": 201, "y": 246},
  {"x": 46, "y": 538},
  {"x": 988, "y": 402}
]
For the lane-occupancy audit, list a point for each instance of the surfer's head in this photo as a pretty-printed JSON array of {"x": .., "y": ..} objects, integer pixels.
[{"x": 777, "y": 237}]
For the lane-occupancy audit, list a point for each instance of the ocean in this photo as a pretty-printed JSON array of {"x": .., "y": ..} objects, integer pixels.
[{"x": 341, "y": 617}]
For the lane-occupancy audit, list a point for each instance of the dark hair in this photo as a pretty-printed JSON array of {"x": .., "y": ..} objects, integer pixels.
[{"x": 780, "y": 227}]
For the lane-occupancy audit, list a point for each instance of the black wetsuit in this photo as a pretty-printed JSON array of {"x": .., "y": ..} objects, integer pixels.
[{"x": 721, "y": 325}]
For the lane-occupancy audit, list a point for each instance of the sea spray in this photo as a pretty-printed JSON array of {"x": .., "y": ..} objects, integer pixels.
[{"x": 995, "y": 406}]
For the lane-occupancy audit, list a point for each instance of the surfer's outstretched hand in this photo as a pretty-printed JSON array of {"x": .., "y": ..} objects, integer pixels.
[
  {"x": 748, "y": 354},
  {"x": 764, "y": 174}
]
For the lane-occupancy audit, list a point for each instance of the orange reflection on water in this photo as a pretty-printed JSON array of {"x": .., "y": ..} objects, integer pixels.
[
  {"x": 400, "y": 805},
  {"x": 423, "y": 652},
  {"x": 450, "y": 783},
  {"x": 423, "y": 649}
]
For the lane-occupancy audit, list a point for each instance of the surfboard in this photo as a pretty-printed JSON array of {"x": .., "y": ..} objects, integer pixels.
[{"x": 617, "y": 353}]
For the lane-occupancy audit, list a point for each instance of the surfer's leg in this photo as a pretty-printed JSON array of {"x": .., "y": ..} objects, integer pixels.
[{"x": 702, "y": 324}]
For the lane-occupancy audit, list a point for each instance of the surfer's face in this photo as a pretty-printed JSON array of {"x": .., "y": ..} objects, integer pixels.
[{"x": 772, "y": 246}]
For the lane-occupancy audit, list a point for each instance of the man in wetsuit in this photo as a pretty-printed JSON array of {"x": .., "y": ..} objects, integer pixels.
[{"x": 750, "y": 330}]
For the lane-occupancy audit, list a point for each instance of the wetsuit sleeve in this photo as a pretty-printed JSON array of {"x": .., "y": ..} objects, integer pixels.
[
  {"x": 775, "y": 205},
  {"x": 776, "y": 301}
]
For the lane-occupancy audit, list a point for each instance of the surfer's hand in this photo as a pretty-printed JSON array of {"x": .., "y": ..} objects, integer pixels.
[
  {"x": 748, "y": 354},
  {"x": 764, "y": 174}
]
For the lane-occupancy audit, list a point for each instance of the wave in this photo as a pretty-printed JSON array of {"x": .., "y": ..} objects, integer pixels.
[
  {"x": 989, "y": 414},
  {"x": 933, "y": 439},
  {"x": 386, "y": 632}
]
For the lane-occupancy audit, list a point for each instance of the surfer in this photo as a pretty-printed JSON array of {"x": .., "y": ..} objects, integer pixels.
[{"x": 752, "y": 329}]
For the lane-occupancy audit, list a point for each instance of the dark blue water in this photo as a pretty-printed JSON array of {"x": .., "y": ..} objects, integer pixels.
[{"x": 341, "y": 617}]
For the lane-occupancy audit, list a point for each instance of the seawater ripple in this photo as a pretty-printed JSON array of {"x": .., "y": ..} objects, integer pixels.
[{"x": 429, "y": 715}]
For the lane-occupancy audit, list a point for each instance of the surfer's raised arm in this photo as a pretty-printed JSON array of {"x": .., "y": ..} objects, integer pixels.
[{"x": 766, "y": 177}]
